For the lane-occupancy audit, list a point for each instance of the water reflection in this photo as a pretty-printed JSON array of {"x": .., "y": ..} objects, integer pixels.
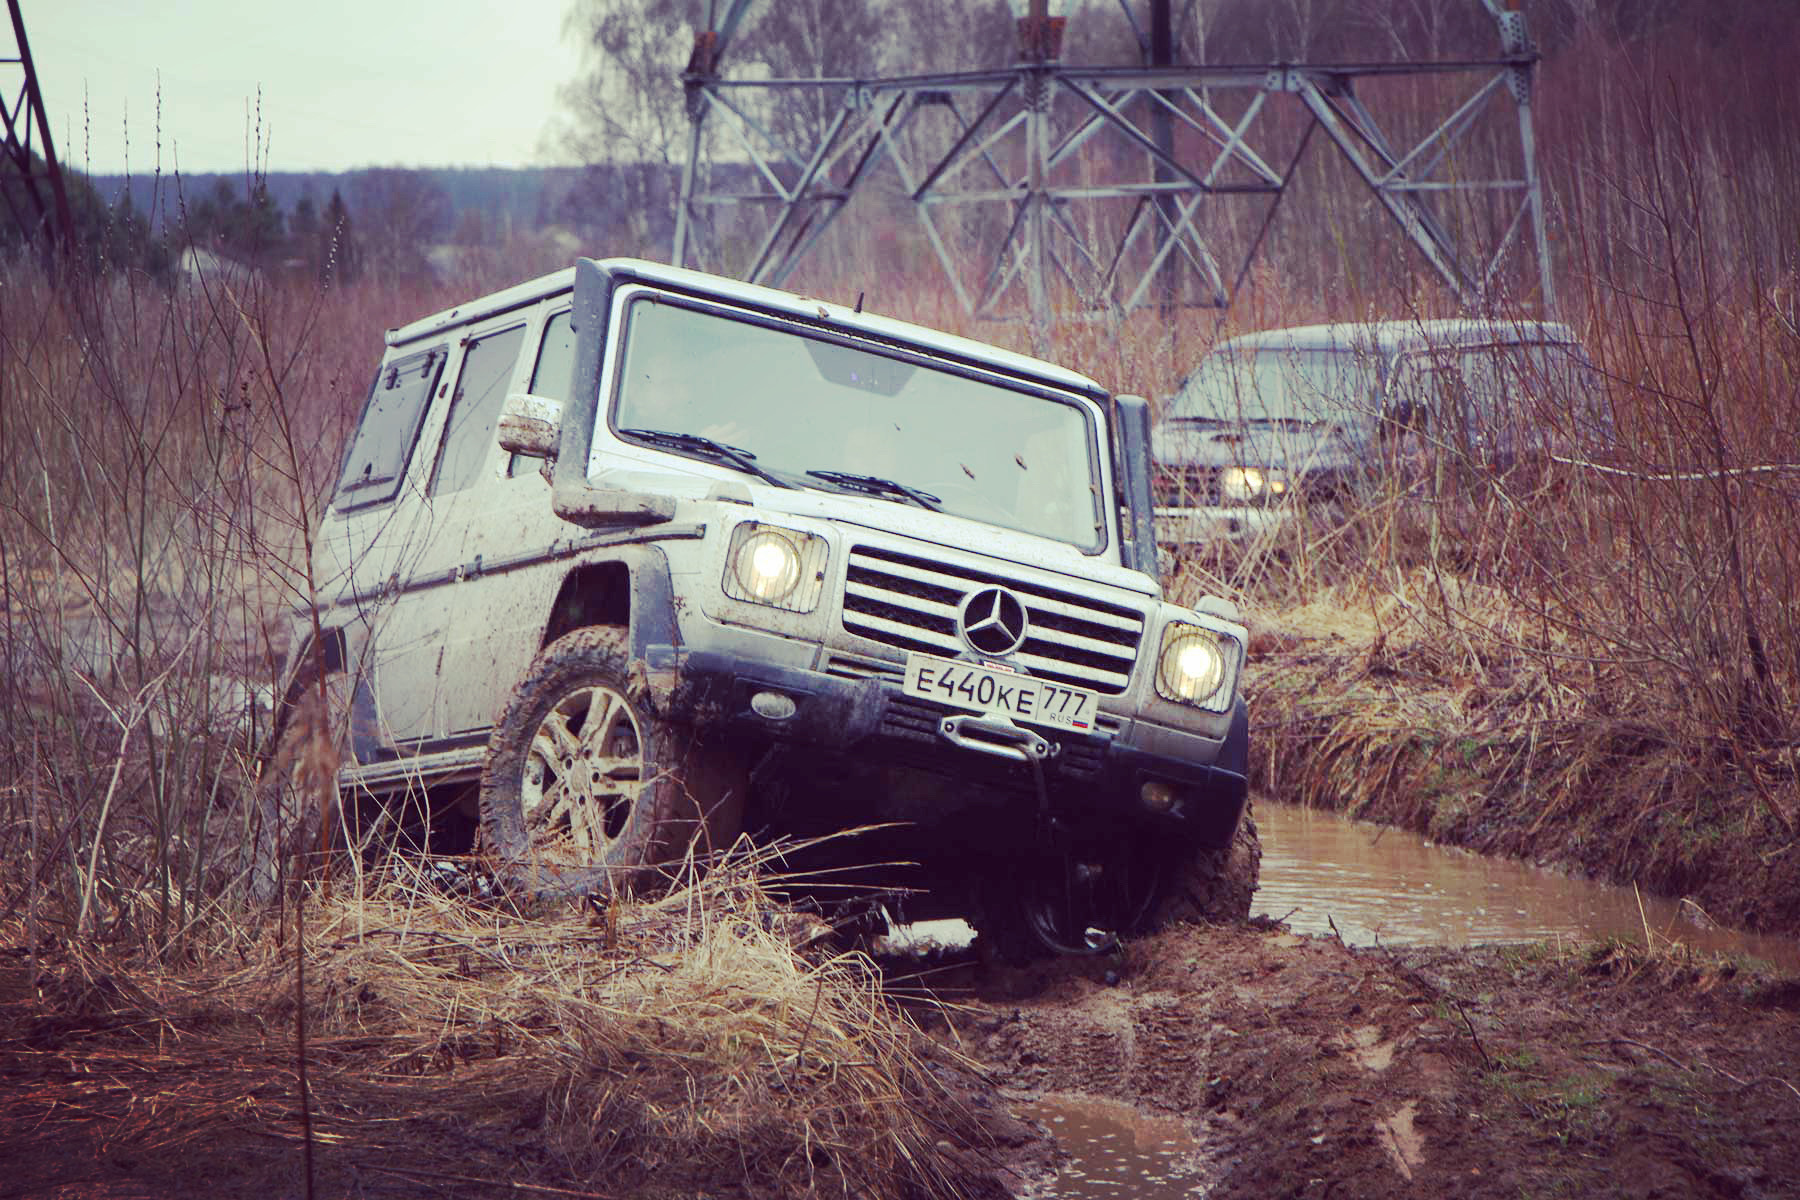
[
  {"x": 1116, "y": 1151},
  {"x": 1379, "y": 883}
]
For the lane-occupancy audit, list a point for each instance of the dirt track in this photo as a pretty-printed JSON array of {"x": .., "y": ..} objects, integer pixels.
[{"x": 1305, "y": 1068}]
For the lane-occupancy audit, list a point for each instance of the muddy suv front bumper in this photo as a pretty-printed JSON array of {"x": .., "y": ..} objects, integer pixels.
[{"x": 1099, "y": 779}]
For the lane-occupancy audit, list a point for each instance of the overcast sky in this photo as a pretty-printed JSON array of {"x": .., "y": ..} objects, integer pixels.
[{"x": 344, "y": 83}]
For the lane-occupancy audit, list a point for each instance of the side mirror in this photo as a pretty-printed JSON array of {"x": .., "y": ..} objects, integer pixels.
[
  {"x": 1131, "y": 463},
  {"x": 531, "y": 425}
]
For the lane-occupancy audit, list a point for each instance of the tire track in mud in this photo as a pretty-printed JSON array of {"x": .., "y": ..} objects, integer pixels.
[{"x": 1301, "y": 1067}]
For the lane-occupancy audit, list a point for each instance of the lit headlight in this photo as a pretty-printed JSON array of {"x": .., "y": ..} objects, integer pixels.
[
  {"x": 1195, "y": 666},
  {"x": 766, "y": 564},
  {"x": 1238, "y": 485}
]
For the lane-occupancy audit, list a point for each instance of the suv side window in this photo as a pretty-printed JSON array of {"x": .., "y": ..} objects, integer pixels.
[
  {"x": 390, "y": 425},
  {"x": 487, "y": 366},
  {"x": 556, "y": 360},
  {"x": 553, "y": 373}
]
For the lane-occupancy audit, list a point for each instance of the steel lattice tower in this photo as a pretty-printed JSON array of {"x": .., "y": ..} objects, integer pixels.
[
  {"x": 1039, "y": 145},
  {"x": 31, "y": 180}
]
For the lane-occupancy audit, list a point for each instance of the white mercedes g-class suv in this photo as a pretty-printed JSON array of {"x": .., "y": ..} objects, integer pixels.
[{"x": 630, "y": 558}]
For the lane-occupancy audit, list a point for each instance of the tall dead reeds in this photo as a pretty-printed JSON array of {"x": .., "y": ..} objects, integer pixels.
[{"x": 162, "y": 449}]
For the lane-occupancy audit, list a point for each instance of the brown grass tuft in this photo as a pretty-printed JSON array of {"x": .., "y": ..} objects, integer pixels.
[{"x": 662, "y": 1048}]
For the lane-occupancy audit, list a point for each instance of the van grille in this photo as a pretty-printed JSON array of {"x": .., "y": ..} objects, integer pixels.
[
  {"x": 1186, "y": 487},
  {"x": 911, "y": 603}
]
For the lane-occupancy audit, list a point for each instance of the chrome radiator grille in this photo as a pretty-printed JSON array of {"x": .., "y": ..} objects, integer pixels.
[{"x": 912, "y": 604}]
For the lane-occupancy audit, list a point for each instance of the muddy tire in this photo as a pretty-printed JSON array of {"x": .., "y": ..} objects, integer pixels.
[
  {"x": 586, "y": 789},
  {"x": 296, "y": 795},
  {"x": 1213, "y": 886},
  {"x": 1056, "y": 905}
]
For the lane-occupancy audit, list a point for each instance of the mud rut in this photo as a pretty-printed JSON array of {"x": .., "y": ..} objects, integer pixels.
[{"x": 1302, "y": 1067}]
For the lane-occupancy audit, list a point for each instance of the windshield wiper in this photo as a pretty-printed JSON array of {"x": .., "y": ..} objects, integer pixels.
[
  {"x": 737, "y": 456},
  {"x": 875, "y": 485}
]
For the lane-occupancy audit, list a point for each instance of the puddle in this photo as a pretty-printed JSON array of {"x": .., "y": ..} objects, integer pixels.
[
  {"x": 1376, "y": 883},
  {"x": 1115, "y": 1151},
  {"x": 1380, "y": 884}
]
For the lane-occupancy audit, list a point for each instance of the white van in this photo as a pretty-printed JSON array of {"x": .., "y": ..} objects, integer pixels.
[{"x": 1312, "y": 413}]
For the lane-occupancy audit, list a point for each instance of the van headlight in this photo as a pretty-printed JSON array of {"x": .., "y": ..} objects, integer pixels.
[
  {"x": 1242, "y": 485},
  {"x": 783, "y": 568},
  {"x": 1196, "y": 666}
]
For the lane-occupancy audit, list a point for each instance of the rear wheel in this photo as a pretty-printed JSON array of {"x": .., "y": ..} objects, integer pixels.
[
  {"x": 296, "y": 796},
  {"x": 586, "y": 789}
]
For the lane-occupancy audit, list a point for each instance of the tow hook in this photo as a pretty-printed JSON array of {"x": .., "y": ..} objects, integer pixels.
[{"x": 997, "y": 736}]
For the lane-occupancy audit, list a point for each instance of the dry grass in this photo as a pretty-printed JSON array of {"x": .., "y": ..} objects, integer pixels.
[{"x": 661, "y": 1047}]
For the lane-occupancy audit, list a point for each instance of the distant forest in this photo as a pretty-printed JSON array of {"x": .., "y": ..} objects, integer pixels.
[
  {"x": 1628, "y": 91},
  {"x": 387, "y": 223},
  {"x": 503, "y": 197}
]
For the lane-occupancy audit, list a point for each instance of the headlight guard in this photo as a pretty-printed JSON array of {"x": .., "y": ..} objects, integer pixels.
[
  {"x": 1197, "y": 666},
  {"x": 769, "y": 564}
]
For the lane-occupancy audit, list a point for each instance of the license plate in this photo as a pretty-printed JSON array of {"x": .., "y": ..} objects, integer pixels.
[{"x": 986, "y": 690}]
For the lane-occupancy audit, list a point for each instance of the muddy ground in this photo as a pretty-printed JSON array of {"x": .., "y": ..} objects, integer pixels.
[
  {"x": 1306, "y": 1068},
  {"x": 1300, "y": 1067}
]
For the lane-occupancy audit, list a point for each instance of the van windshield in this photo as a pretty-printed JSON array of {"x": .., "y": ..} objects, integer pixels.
[
  {"x": 1280, "y": 386},
  {"x": 854, "y": 418}
]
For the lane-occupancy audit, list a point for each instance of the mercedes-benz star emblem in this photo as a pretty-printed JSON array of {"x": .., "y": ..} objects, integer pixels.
[{"x": 993, "y": 621}]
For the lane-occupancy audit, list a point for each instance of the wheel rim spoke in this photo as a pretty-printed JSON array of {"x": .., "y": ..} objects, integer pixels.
[
  {"x": 620, "y": 769},
  {"x": 602, "y": 712},
  {"x": 557, "y": 801},
  {"x": 556, "y": 733},
  {"x": 583, "y": 777}
]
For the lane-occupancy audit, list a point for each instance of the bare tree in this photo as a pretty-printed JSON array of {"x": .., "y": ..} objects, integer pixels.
[{"x": 399, "y": 214}]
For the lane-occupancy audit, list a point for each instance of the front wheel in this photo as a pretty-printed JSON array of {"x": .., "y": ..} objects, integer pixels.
[
  {"x": 1083, "y": 903},
  {"x": 1213, "y": 884},
  {"x": 586, "y": 789}
]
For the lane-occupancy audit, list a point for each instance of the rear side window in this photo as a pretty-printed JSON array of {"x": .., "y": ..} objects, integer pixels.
[
  {"x": 487, "y": 367},
  {"x": 553, "y": 374},
  {"x": 555, "y": 368},
  {"x": 390, "y": 426}
]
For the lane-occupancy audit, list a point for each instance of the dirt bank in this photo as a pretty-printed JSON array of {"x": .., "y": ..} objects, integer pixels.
[
  {"x": 1379, "y": 713},
  {"x": 1305, "y": 1068}
]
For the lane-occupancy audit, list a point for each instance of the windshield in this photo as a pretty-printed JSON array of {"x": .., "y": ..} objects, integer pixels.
[
  {"x": 847, "y": 418},
  {"x": 1280, "y": 386}
]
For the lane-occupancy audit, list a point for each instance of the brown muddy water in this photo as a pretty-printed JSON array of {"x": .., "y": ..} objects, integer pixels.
[
  {"x": 1116, "y": 1151},
  {"x": 1379, "y": 884}
]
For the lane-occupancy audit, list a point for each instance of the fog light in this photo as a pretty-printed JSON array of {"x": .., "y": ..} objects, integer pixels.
[
  {"x": 1158, "y": 796},
  {"x": 772, "y": 705}
]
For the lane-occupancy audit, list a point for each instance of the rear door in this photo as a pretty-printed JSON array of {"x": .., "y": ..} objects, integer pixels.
[
  {"x": 370, "y": 540},
  {"x": 414, "y": 680}
]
